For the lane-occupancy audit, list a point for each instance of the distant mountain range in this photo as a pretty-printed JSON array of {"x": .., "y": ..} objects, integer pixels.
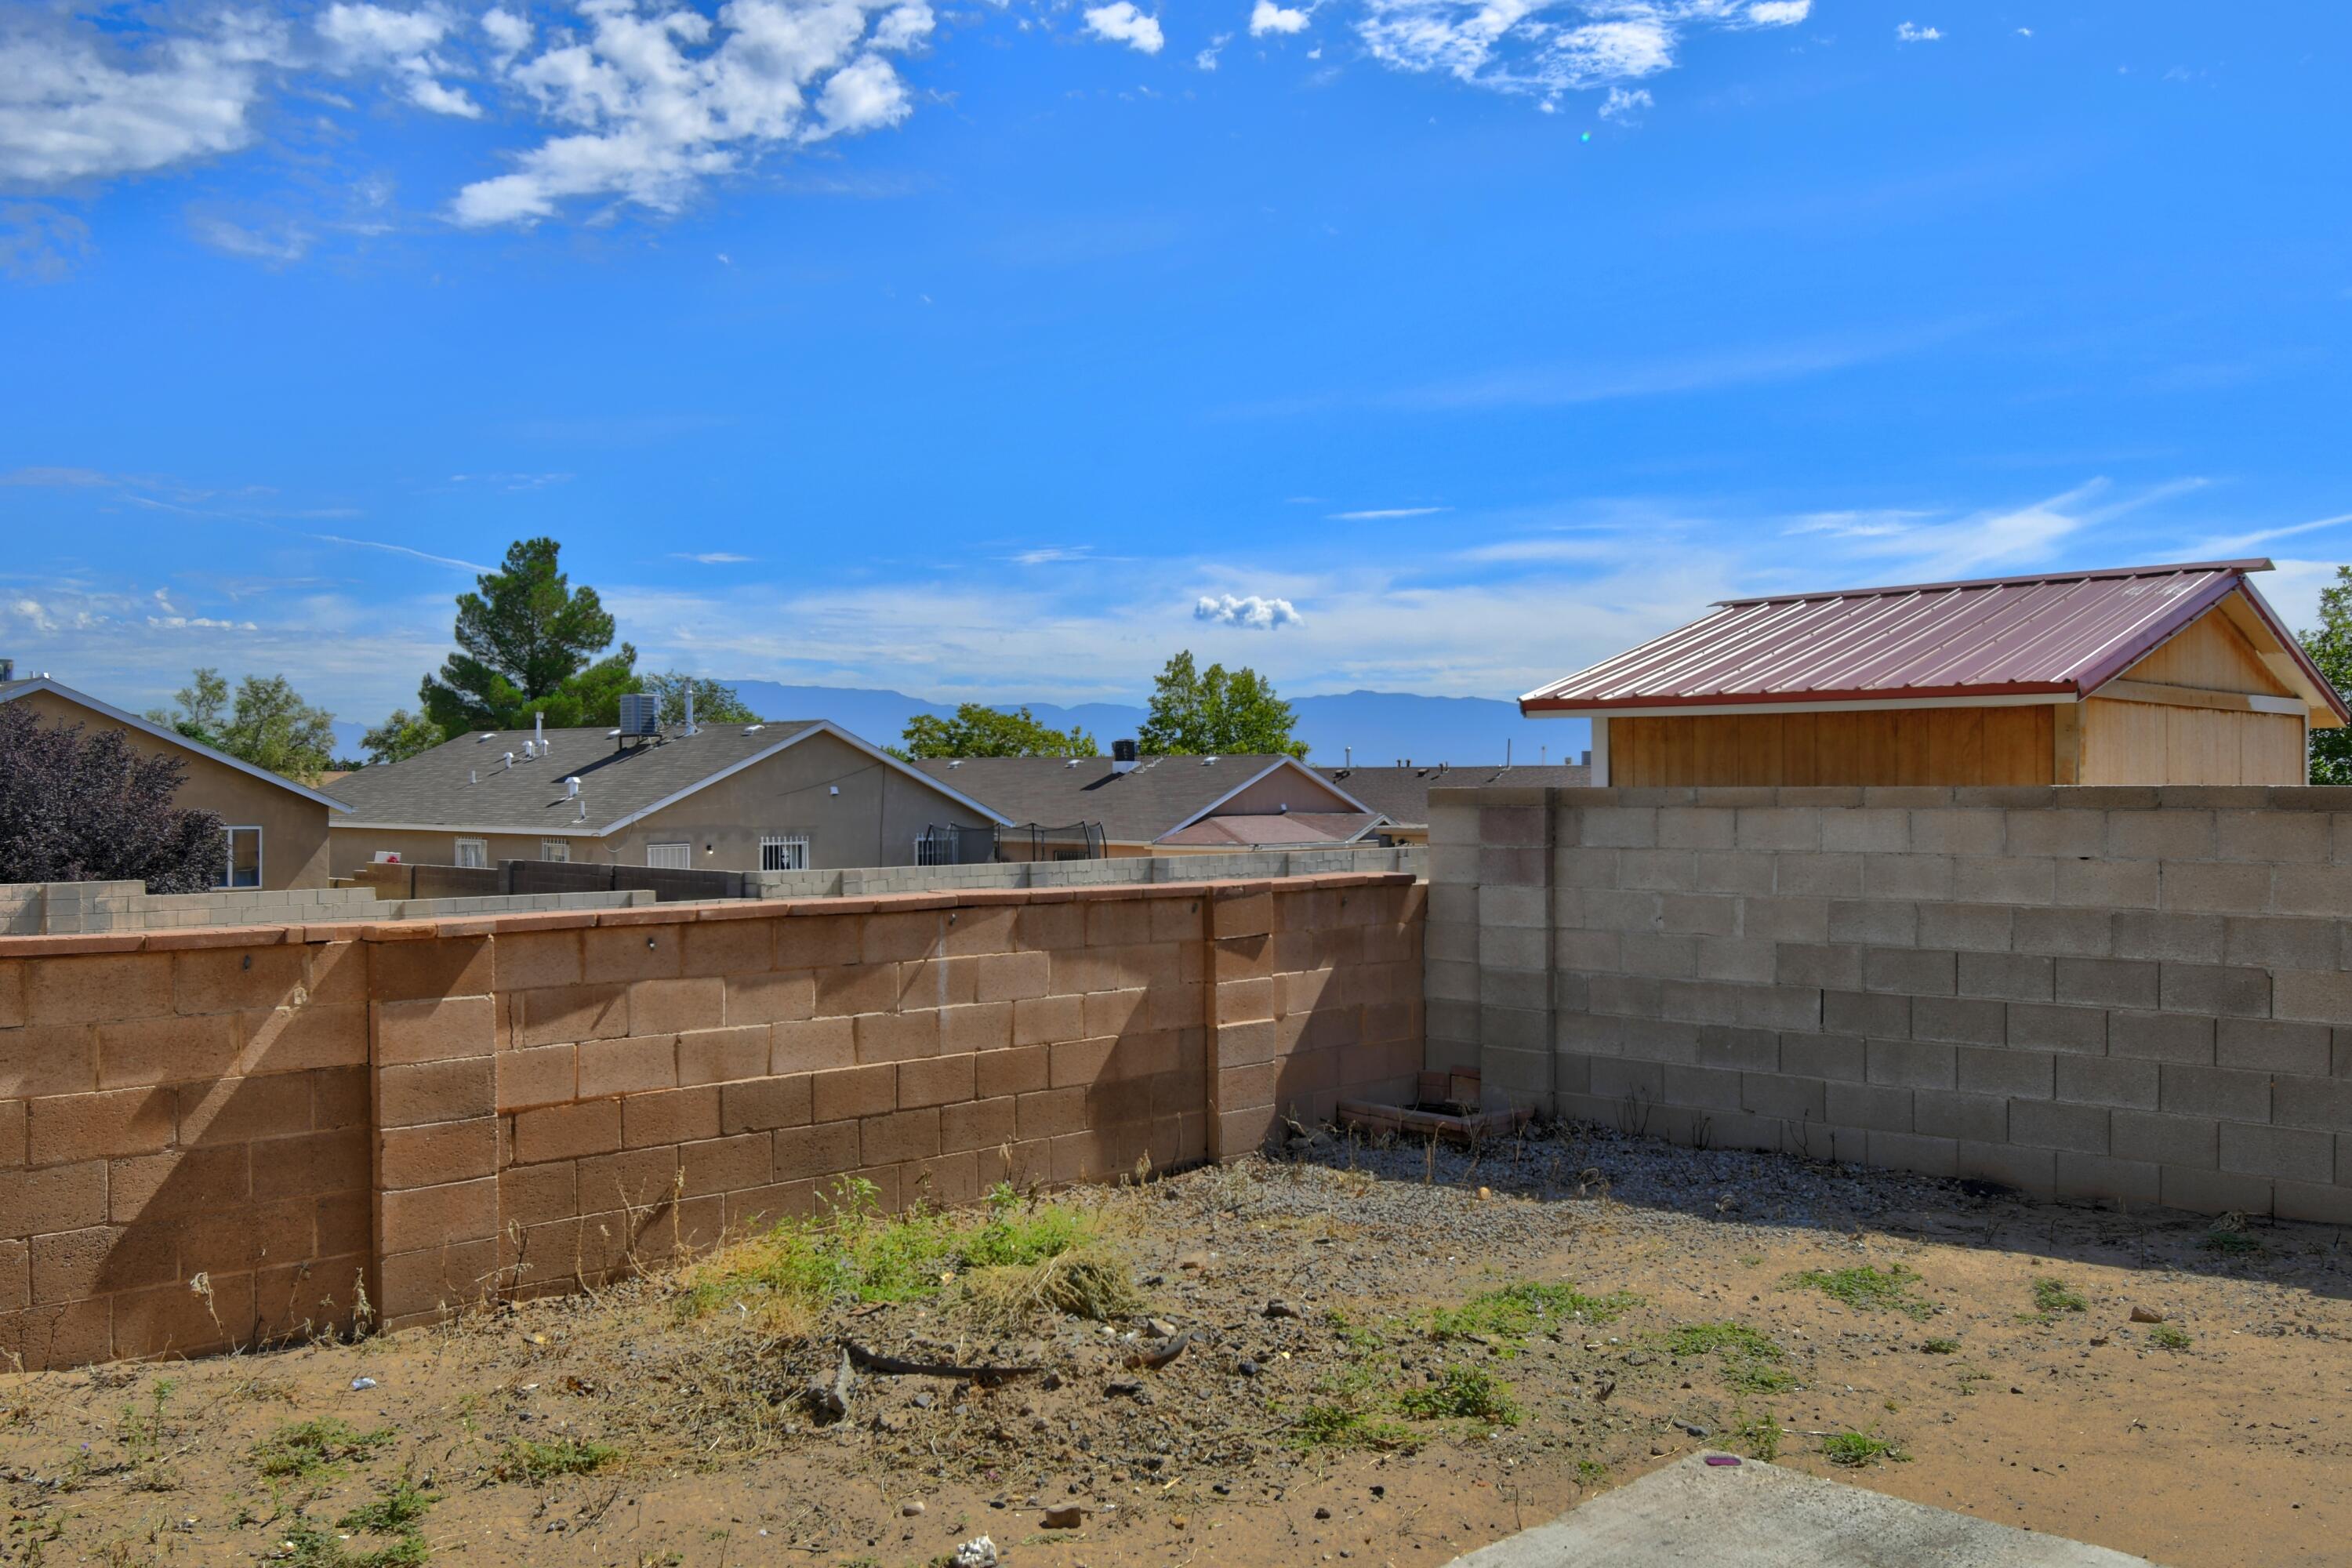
[{"x": 1382, "y": 727}]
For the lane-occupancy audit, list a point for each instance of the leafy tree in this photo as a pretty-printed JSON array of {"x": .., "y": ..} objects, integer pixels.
[
  {"x": 88, "y": 808},
  {"x": 715, "y": 702},
  {"x": 527, "y": 643},
  {"x": 978, "y": 730},
  {"x": 1211, "y": 712},
  {"x": 267, "y": 725},
  {"x": 401, "y": 736},
  {"x": 2329, "y": 644}
]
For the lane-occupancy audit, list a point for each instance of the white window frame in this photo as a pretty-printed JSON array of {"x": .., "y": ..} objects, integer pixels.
[
  {"x": 790, "y": 852},
  {"x": 555, "y": 850},
  {"x": 229, "y": 856},
  {"x": 480, "y": 848},
  {"x": 685, "y": 861}
]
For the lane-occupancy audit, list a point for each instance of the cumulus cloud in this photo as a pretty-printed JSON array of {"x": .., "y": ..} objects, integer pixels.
[
  {"x": 1547, "y": 48},
  {"x": 1207, "y": 58},
  {"x": 1911, "y": 32},
  {"x": 653, "y": 105},
  {"x": 368, "y": 37},
  {"x": 1249, "y": 611},
  {"x": 1121, "y": 23},
  {"x": 1266, "y": 17},
  {"x": 74, "y": 105}
]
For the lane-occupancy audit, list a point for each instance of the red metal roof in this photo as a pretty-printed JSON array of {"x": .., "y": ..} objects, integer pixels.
[{"x": 2059, "y": 633}]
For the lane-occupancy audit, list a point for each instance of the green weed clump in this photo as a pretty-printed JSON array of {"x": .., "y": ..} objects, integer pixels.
[
  {"x": 398, "y": 1512},
  {"x": 2053, "y": 1296},
  {"x": 1940, "y": 1346},
  {"x": 1854, "y": 1449},
  {"x": 1759, "y": 1434},
  {"x": 1750, "y": 1359},
  {"x": 853, "y": 1251},
  {"x": 1509, "y": 1315},
  {"x": 2235, "y": 1242},
  {"x": 1463, "y": 1393},
  {"x": 1868, "y": 1289},
  {"x": 527, "y": 1460},
  {"x": 2170, "y": 1337},
  {"x": 314, "y": 1449}
]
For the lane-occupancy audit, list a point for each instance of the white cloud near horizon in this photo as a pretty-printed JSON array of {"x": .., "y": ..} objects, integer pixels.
[
  {"x": 1911, "y": 33},
  {"x": 1250, "y": 611},
  {"x": 1122, "y": 23}
]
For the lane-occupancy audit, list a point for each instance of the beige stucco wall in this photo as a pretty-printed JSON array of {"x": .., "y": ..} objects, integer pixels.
[
  {"x": 293, "y": 830},
  {"x": 1293, "y": 787},
  {"x": 873, "y": 821}
]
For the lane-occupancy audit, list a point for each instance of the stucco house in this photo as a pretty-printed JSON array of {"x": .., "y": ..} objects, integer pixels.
[
  {"x": 276, "y": 830},
  {"x": 791, "y": 795}
]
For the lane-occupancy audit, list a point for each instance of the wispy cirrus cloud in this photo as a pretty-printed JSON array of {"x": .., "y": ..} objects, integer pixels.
[
  {"x": 711, "y": 558},
  {"x": 1380, "y": 513}
]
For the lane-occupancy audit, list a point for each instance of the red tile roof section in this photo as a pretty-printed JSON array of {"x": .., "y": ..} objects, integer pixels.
[{"x": 2057, "y": 634}]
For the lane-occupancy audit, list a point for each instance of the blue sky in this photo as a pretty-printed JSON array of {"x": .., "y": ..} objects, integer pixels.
[{"x": 1001, "y": 349}]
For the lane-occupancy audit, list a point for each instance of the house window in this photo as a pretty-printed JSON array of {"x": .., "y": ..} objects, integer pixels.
[
  {"x": 473, "y": 852},
  {"x": 670, "y": 856},
  {"x": 784, "y": 852},
  {"x": 555, "y": 850},
  {"x": 242, "y": 867}
]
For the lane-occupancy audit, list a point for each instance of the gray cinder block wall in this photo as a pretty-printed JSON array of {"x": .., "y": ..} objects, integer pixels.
[{"x": 2134, "y": 994}]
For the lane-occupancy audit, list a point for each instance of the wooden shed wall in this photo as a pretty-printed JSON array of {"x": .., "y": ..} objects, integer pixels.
[
  {"x": 2212, "y": 655},
  {"x": 2157, "y": 743},
  {"x": 1894, "y": 746}
]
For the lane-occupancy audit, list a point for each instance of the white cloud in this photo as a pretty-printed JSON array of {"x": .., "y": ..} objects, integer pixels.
[
  {"x": 1249, "y": 611},
  {"x": 368, "y": 37},
  {"x": 1911, "y": 32},
  {"x": 1386, "y": 512},
  {"x": 40, "y": 244},
  {"x": 2022, "y": 536},
  {"x": 1546, "y": 47},
  {"x": 72, "y": 108},
  {"x": 651, "y": 106},
  {"x": 286, "y": 242},
  {"x": 1266, "y": 17},
  {"x": 1626, "y": 103},
  {"x": 713, "y": 558},
  {"x": 510, "y": 33},
  {"x": 1121, "y": 23},
  {"x": 1207, "y": 58}
]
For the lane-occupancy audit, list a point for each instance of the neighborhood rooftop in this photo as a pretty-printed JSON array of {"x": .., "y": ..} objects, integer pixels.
[
  {"x": 1157, "y": 798},
  {"x": 1401, "y": 794},
  {"x": 2051, "y": 635},
  {"x": 469, "y": 782}
]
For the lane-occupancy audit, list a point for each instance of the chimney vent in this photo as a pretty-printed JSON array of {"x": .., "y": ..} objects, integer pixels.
[
  {"x": 8, "y": 670},
  {"x": 1122, "y": 756},
  {"x": 572, "y": 789}
]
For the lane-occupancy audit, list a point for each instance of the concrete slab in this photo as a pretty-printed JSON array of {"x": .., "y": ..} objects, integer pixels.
[{"x": 1760, "y": 1516}]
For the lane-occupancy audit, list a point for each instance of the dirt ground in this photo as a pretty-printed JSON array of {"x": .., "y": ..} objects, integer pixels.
[{"x": 1286, "y": 1432}]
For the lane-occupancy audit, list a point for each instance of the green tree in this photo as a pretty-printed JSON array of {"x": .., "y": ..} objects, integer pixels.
[
  {"x": 1213, "y": 712},
  {"x": 266, "y": 723},
  {"x": 400, "y": 736},
  {"x": 715, "y": 702},
  {"x": 2329, "y": 644},
  {"x": 978, "y": 730},
  {"x": 527, "y": 643}
]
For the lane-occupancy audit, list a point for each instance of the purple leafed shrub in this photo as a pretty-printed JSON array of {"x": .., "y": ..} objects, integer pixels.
[{"x": 78, "y": 807}]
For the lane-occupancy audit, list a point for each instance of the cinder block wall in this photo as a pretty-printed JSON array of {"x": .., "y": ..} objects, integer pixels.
[
  {"x": 2119, "y": 993},
  {"x": 435, "y": 1111}
]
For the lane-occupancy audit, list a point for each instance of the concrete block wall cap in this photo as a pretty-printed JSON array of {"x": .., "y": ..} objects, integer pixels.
[
  {"x": 549, "y": 919},
  {"x": 333, "y": 931},
  {"x": 405, "y": 931},
  {"x": 2107, "y": 798},
  {"x": 655, "y": 915},
  {"x": 1237, "y": 889},
  {"x": 191, "y": 938},
  {"x": 993, "y": 897},
  {"x": 54, "y": 946},
  {"x": 1052, "y": 895},
  {"x": 828, "y": 907},
  {"x": 740, "y": 910},
  {"x": 2311, "y": 797},
  {"x": 474, "y": 925},
  {"x": 901, "y": 903},
  {"x": 2238, "y": 797}
]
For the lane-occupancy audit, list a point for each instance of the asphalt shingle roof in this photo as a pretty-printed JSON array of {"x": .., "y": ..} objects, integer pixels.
[
  {"x": 1401, "y": 795},
  {"x": 432, "y": 788},
  {"x": 1134, "y": 807}
]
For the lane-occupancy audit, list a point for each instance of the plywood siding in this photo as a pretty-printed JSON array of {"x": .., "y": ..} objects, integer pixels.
[
  {"x": 2211, "y": 654},
  {"x": 1899, "y": 746},
  {"x": 2147, "y": 742}
]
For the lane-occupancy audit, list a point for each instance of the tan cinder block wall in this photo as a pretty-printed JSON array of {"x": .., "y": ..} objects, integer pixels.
[
  {"x": 2134, "y": 994},
  {"x": 437, "y": 1111}
]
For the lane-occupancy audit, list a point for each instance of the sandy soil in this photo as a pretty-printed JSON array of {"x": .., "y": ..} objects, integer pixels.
[{"x": 2227, "y": 1450}]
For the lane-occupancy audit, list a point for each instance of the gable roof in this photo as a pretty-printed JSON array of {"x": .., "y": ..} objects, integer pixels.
[
  {"x": 1401, "y": 793},
  {"x": 433, "y": 789},
  {"x": 2047, "y": 638},
  {"x": 1157, "y": 798},
  {"x": 15, "y": 688}
]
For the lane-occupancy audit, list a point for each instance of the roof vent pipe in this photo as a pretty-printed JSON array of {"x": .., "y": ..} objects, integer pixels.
[
  {"x": 572, "y": 789},
  {"x": 690, "y": 709},
  {"x": 583, "y": 813},
  {"x": 472, "y": 776},
  {"x": 1347, "y": 756},
  {"x": 539, "y": 729},
  {"x": 507, "y": 759}
]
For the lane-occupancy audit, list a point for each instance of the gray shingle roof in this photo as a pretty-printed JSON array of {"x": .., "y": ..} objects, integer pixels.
[
  {"x": 433, "y": 790},
  {"x": 1401, "y": 795},
  {"x": 1134, "y": 807}
]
